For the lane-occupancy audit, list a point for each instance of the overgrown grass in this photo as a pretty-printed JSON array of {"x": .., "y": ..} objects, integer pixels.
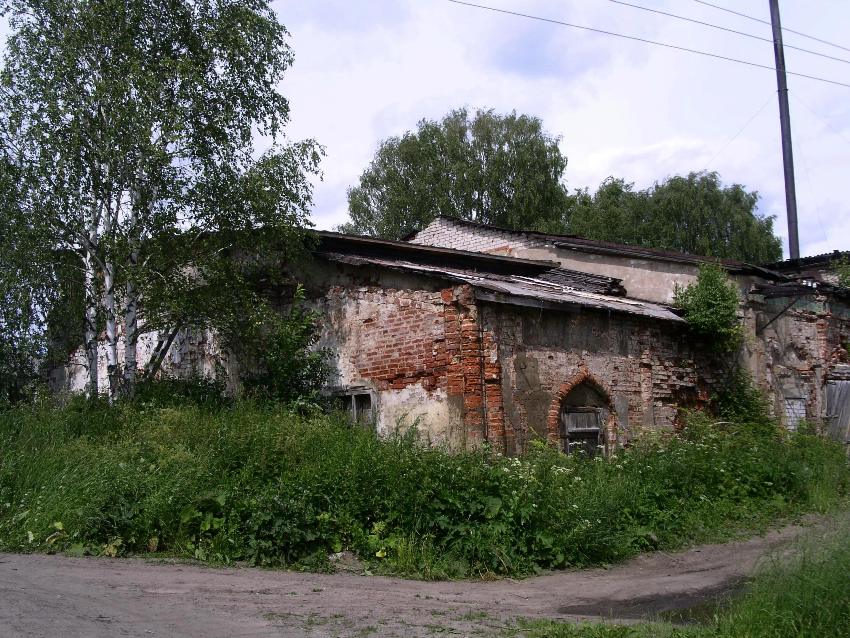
[
  {"x": 261, "y": 484},
  {"x": 801, "y": 593},
  {"x": 808, "y": 595}
]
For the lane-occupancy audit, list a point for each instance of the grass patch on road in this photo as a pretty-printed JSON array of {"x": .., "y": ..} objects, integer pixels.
[
  {"x": 804, "y": 595},
  {"x": 272, "y": 487}
]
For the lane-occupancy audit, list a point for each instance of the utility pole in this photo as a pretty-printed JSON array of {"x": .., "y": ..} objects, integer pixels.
[{"x": 785, "y": 125}]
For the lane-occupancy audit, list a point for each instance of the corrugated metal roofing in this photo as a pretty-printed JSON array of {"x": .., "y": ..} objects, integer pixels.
[
  {"x": 823, "y": 259},
  {"x": 547, "y": 289}
]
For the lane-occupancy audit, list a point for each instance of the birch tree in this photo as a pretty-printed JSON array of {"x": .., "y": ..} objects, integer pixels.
[{"x": 135, "y": 119}]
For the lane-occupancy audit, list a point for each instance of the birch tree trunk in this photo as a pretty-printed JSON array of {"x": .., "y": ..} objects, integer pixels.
[
  {"x": 90, "y": 278},
  {"x": 131, "y": 328},
  {"x": 109, "y": 307},
  {"x": 131, "y": 334},
  {"x": 91, "y": 318},
  {"x": 163, "y": 344}
]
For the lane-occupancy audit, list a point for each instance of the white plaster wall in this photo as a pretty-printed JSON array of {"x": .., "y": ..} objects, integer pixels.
[
  {"x": 429, "y": 410},
  {"x": 645, "y": 279},
  {"x": 193, "y": 352}
]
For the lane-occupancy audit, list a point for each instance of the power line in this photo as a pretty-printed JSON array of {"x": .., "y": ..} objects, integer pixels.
[
  {"x": 644, "y": 40},
  {"x": 821, "y": 118},
  {"x": 767, "y": 22},
  {"x": 721, "y": 28},
  {"x": 741, "y": 130},
  {"x": 811, "y": 188}
]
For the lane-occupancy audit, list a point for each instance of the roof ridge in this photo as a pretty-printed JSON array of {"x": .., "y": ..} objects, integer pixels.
[{"x": 636, "y": 250}]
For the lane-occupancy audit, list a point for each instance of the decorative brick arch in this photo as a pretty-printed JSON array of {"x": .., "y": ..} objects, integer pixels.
[{"x": 583, "y": 376}]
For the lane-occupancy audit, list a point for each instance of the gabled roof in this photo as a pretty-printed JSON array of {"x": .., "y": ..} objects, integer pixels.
[
  {"x": 494, "y": 278},
  {"x": 575, "y": 242}
]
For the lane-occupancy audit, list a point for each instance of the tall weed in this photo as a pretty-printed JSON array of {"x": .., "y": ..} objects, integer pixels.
[
  {"x": 259, "y": 483},
  {"x": 805, "y": 595}
]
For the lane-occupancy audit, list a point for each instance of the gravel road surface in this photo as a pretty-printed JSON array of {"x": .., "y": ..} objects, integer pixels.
[{"x": 58, "y": 596}]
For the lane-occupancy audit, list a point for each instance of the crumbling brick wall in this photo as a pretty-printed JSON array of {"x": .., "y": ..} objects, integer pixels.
[
  {"x": 423, "y": 354},
  {"x": 646, "y": 369},
  {"x": 474, "y": 371},
  {"x": 791, "y": 345}
]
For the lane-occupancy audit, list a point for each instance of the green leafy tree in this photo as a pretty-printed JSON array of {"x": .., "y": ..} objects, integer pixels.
[
  {"x": 485, "y": 167},
  {"x": 710, "y": 307},
  {"x": 133, "y": 121},
  {"x": 616, "y": 213},
  {"x": 291, "y": 369},
  {"x": 694, "y": 214},
  {"x": 21, "y": 294},
  {"x": 842, "y": 270}
]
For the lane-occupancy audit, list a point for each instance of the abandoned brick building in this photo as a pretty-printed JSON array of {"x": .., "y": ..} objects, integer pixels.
[{"x": 482, "y": 334}]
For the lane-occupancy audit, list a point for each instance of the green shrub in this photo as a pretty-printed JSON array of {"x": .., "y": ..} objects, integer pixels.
[
  {"x": 740, "y": 401},
  {"x": 710, "y": 307},
  {"x": 289, "y": 368},
  {"x": 260, "y": 483},
  {"x": 841, "y": 267},
  {"x": 168, "y": 391}
]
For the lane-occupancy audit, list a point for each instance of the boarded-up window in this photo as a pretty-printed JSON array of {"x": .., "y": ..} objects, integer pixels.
[
  {"x": 581, "y": 430},
  {"x": 795, "y": 411},
  {"x": 584, "y": 415}
]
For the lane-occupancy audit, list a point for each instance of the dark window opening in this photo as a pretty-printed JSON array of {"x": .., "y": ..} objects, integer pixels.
[{"x": 358, "y": 405}]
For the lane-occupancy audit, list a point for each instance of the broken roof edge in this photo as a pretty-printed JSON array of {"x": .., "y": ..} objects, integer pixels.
[
  {"x": 822, "y": 259},
  {"x": 576, "y": 242},
  {"x": 522, "y": 292},
  {"x": 327, "y": 238},
  {"x": 440, "y": 256},
  {"x": 530, "y": 301}
]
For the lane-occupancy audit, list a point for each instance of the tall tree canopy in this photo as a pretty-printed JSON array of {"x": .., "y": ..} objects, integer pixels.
[
  {"x": 505, "y": 170},
  {"x": 694, "y": 214},
  {"x": 494, "y": 169},
  {"x": 27, "y": 287},
  {"x": 130, "y": 123}
]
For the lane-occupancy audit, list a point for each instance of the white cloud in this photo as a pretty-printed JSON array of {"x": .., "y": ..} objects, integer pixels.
[
  {"x": 369, "y": 69},
  {"x": 623, "y": 108}
]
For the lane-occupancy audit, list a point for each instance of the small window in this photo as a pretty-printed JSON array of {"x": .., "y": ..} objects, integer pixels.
[
  {"x": 795, "y": 411},
  {"x": 359, "y": 406}
]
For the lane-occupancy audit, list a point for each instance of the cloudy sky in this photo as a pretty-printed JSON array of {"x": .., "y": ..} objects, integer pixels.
[{"x": 368, "y": 69}]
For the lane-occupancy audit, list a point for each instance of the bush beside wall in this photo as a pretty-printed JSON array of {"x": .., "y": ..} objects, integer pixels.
[{"x": 262, "y": 484}]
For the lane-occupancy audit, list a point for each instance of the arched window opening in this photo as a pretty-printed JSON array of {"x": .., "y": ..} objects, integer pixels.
[{"x": 584, "y": 415}]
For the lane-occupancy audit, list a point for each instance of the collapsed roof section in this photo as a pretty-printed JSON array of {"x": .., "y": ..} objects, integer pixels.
[{"x": 495, "y": 278}]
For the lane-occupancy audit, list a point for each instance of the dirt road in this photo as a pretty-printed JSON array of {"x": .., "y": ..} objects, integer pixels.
[{"x": 100, "y": 597}]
